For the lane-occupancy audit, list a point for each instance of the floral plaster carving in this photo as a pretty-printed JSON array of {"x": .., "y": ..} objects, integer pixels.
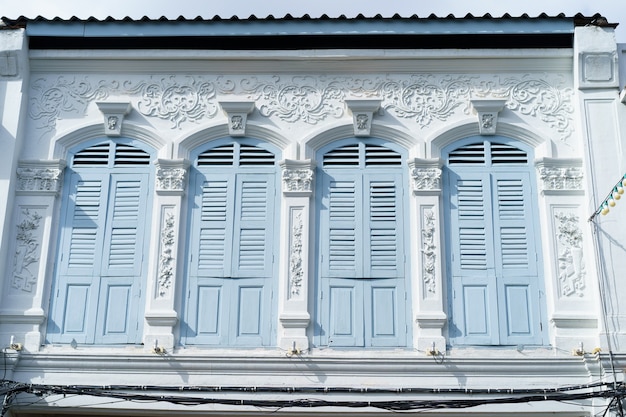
[
  {"x": 64, "y": 97},
  {"x": 311, "y": 99},
  {"x": 426, "y": 97},
  {"x": 39, "y": 179},
  {"x": 27, "y": 252},
  {"x": 536, "y": 97},
  {"x": 429, "y": 253},
  {"x": 426, "y": 179},
  {"x": 166, "y": 260},
  {"x": 561, "y": 178},
  {"x": 296, "y": 270},
  {"x": 297, "y": 179},
  {"x": 169, "y": 99},
  {"x": 303, "y": 98},
  {"x": 570, "y": 254}
]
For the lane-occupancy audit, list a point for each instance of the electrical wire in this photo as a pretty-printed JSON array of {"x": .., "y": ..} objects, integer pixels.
[{"x": 166, "y": 394}]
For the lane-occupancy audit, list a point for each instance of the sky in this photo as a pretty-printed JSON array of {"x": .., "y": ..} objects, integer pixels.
[{"x": 613, "y": 10}]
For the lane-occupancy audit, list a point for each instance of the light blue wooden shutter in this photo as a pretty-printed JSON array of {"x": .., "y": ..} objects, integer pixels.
[
  {"x": 384, "y": 258},
  {"x": 342, "y": 254},
  {"x": 77, "y": 290},
  {"x": 250, "y": 296},
  {"x": 207, "y": 307},
  {"x": 496, "y": 300},
  {"x": 473, "y": 268},
  {"x": 97, "y": 293},
  {"x": 363, "y": 296},
  {"x": 231, "y": 272},
  {"x": 517, "y": 269},
  {"x": 122, "y": 259}
]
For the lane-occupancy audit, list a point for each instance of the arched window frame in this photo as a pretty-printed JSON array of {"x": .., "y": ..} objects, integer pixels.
[
  {"x": 495, "y": 297},
  {"x": 227, "y": 303},
  {"x": 101, "y": 265},
  {"x": 350, "y": 298}
]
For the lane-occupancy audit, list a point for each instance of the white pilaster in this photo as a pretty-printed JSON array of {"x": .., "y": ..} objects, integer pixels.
[
  {"x": 426, "y": 255},
  {"x": 165, "y": 251},
  {"x": 294, "y": 316},
  {"x": 31, "y": 253}
]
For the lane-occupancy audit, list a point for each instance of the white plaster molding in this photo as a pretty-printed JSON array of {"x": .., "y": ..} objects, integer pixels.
[
  {"x": 560, "y": 176},
  {"x": 429, "y": 252},
  {"x": 297, "y": 177},
  {"x": 28, "y": 250},
  {"x": 431, "y": 320},
  {"x": 573, "y": 320},
  {"x": 425, "y": 175},
  {"x": 166, "y": 257},
  {"x": 171, "y": 175},
  {"x": 161, "y": 318},
  {"x": 487, "y": 111},
  {"x": 598, "y": 69},
  {"x": 310, "y": 99},
  {"x": 114, "y": 114},
  {"x": 237, "y": 113},
  {"x": 296, "y": 269},
  {"x": 43, "y": 177},
  {"x": 571, "y": 265},
  {"x": 362, "y": 114},
  {"x": 622, "y": 96}
]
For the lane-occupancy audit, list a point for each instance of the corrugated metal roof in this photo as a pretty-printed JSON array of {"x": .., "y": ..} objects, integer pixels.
[
  {"x": 578, "y": 20},
  {"x": 305, "y": 32}
]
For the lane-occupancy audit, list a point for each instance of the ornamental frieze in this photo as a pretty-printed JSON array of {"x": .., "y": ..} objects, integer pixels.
[{"x": 308, "y": 99}]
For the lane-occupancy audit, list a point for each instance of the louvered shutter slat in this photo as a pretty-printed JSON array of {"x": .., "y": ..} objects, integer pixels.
[
  {"x": 383, "y": 228},
  {"x": 341, "y": 249}
]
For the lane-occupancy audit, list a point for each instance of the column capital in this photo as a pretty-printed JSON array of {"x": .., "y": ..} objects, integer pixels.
[
  {"x": 297, "y": 177},
  {"x": 171, "y": 175}
]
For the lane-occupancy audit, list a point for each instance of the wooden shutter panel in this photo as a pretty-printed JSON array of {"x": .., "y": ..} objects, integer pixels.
[
  {"x": 384, "y": 243},
  {"x": 122, "y": 258},
  {"x": 76, "y": 306},
  {"x": 516, "y": 252},
  {"x": 213, "y": 253},
  {"x": 253, "y": 224},
  {"x": 342, "y": 256},
  {"x": 473, "y": 269}
]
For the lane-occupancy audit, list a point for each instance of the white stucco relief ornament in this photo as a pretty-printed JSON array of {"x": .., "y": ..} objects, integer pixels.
[
  {"x": 166, "y": 258},
  {"x": 296, "y": 270},
  {"x": 26, "y": 255},
  {"x": 307, "y": 99},
  {"x": 297, "y": 179},
  {"x": 570, "y": 254},
  {"x": 424, "y": 179},
  {"x": 64, "y": 97},
  {"x": 169, "y": 99},
  {"x": 35, "y": 179},
  {"x": 561, "y": 178},
  {"x": 429, "y": 254},
  {"x": 310, "y": 99}
]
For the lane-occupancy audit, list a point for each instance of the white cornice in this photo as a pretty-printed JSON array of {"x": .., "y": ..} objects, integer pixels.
[{"x": 449, "y": 61}]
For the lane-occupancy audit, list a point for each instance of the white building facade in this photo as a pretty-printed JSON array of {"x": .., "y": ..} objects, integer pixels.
[{"x": 312, "y": 216}]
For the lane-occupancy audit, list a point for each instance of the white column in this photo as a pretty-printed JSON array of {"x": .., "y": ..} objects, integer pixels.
[
  {"x": 603, "y": 142},
  {"x": 166, "y": 249},
  {"x": 32, "y": 254},
  {"x": 294, "y": 316},
  {"x": 426, "y": 255},
  {"x": 570, "y": 293}
]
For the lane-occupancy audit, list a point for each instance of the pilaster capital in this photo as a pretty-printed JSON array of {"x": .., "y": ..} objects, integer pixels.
[
  {"x": 297, "y": 177},
  {"x": 171, "y": 175},
  {"x": 560, "y": 176},
  {"x": 425, "y": 175},
  {"x": 40, "y": 177}
]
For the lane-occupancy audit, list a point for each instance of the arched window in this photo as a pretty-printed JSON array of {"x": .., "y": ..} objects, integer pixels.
[
  {"x": 231, "y": 272},
  {"x": 493, "y": 241},
  {"x": 361, "y": 208},
  {"x": 97, "y": 294}
]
